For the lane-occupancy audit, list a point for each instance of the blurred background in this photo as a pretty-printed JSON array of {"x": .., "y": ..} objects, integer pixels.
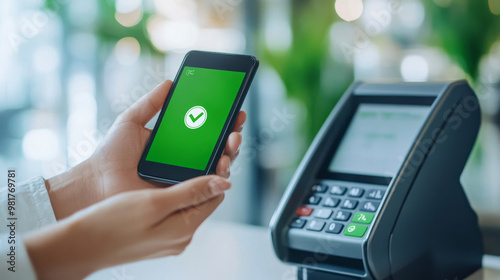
[{"x": 68, "y": 68}]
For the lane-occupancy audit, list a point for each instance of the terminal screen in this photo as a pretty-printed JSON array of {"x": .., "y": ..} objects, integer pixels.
[{"x": 378, "y": 139}]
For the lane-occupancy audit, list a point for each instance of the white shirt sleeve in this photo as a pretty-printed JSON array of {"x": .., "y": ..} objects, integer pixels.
[{"x": 32, "y": 210}]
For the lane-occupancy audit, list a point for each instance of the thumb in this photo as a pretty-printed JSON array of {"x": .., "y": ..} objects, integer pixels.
[
  {"x": 190, "y": 193},
  {"x": 147, "y": 106}
]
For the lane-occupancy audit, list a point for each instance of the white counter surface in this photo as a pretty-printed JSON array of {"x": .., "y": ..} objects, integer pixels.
[{"x": 221, "y": 251}]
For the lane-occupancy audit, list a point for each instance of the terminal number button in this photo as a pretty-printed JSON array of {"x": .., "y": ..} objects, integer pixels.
[
  {"x": 355, "y": 230},
  {"x": 315, "y": 225},
  {"x": 338, "y": 190},
  {"x": 319, "y": 188},
  {"x": 313, "y": 199},
  {"x": 349, "y": 204},
  {"x": 356, "y": 192},
  {"x": 375, "y": 194},
  {"x": 370, "y": 206},
  {"x": 323, "y": 213},
  {"x": 342, "y": 216},
  {"x": 298, "y": 223},
  {"x": 331, "y": 202},
  {"x": 334, "y": 228}
]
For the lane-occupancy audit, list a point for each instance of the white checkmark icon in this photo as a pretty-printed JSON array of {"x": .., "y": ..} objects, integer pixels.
[{"x": 195, "y": 117}]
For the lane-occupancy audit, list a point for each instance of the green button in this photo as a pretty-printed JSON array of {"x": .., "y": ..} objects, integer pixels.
[
  {"x": 355, "y": 230},
  {"x": 363, "y": 218}
]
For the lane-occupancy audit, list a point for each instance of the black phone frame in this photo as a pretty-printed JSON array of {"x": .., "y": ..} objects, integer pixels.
[{"x": 221, "y": 61}]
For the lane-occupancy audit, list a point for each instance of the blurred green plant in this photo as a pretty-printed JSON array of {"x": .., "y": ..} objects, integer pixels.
[
  {"x": 465, "y": 30},
  {"x": 107, "y": 27},
  {"x": 306, "y": 68}
]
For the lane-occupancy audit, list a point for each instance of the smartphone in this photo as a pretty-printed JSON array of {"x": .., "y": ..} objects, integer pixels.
[{"x": 197, "y": 116}]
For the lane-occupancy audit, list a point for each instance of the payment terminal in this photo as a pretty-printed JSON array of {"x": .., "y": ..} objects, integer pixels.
[{"x": 378, "y": 193}]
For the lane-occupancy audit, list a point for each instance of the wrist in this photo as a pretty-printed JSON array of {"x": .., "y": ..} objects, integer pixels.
[
  {"x": 60, "y": 252},
  {"x": 73, "y": 190}
]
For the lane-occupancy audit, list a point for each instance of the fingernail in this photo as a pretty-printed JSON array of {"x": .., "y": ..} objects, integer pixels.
[
  {"x": 218, "y": 185},
  {"x": 240, "y": 129}
]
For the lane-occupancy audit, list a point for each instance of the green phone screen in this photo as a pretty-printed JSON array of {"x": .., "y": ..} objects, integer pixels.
[{"x": 194, "y": 117}]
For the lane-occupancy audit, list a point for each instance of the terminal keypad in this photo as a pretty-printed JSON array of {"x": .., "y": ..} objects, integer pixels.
[{"x": 336, "y": 209}]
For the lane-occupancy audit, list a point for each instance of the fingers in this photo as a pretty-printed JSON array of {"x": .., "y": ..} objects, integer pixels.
[
  {"x": 186, "y": 222},
  {"x": 233, "y": 145},
  {"x": 189, "y": 193},
  {"x": 147, "y": 106},
  {"x": 223, "y": 167},
  {"x": 231, "y": 151},
  {"x": 240, "y": 121}
]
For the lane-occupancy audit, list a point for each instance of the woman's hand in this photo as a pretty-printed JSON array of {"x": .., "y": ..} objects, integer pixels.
[
  {"x": 112, "y": 169},
  {"x": 124, "y": 228}
]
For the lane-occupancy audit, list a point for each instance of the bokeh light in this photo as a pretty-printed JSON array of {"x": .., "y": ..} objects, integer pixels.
[
  {"x": 40, "y": 144},
  {"x": 177, "y": 10},
  {"x": 494, "y": 6},
  {"x": 129, "y": 19},
  {"x": 168, "y": 35},
  {"x": 127, "y": 51},
  {"x": 412, "y": 15},
  {"x": 127, "y": 6},
  {"x": 414, "y": 68},
  {"x": 46, "y": 59},
  {"x": 349, "y": 10}
]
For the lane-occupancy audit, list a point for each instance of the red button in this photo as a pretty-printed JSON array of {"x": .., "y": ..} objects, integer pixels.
[{"x": 304, "y": 211}]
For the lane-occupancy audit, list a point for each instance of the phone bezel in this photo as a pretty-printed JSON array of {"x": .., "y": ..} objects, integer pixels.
[{"x": 221, "y": 61}]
